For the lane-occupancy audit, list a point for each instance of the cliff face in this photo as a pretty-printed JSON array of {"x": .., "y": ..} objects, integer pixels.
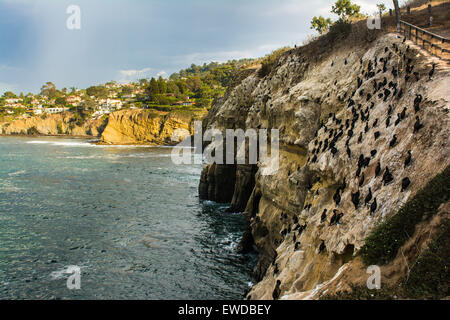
[
  {"x": 347, "y": 123},
  {"x": 54, "y": 124},
  {"x": 147, "y": 126}
]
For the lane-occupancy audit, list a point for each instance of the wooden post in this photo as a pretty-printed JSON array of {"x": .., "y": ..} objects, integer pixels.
[
  {"x": 408, "y": 10},
  {"x": 397, "y": 14}
]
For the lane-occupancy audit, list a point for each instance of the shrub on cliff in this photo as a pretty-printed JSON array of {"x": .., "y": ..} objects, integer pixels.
[
  {"x": 382, "y": 245},
  {"x": 269, "y": 62},
  {"x": 32, "y": 131}
]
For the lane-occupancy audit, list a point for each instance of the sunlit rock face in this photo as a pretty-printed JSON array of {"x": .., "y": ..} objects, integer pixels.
[
  {"x": 338, "y": 119},
  {"x": 147, "y": 126}
]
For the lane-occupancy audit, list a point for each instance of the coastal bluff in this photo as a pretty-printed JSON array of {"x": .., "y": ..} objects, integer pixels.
[
  {"x": 142, "y": 126},
  {"x": 363, "y": 128}
]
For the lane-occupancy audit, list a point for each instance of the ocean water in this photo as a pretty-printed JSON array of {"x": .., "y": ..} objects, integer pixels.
[{"x": 128, "y": 217}]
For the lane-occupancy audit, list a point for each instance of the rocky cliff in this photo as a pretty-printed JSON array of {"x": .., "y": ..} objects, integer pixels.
[
  {"x": 362, "y": 129},
  {"x": 148, "y": 126},
  {"x": 121, "y": 127},
  {"x": 54, "y": 124}
]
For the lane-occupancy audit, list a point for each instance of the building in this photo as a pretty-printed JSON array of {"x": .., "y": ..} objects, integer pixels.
[
  {"x": 55, "y": 110},
  {"x": 73, "y": 100}
]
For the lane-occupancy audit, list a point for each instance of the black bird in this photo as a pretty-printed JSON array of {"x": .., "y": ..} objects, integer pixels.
[
  {"x": 405, "y": 183},
  {"x": 375, "y": 123},
  {"x": 432, "y": 71},
  {"x": 345, "y": 62},
  {"x": 393, "y": 141},
  {"x": 368, "y": 197},
  {"x": 337, "y": 197},
  {"x": 349, "y": 152},
  {"x": 355, "y": 199},
  {"x": 399, "y": 119},
  {"x": 417, "y": 125},
  {"x": 360, "y": 137},
  {"x": 403, "y": 113},
  {"x": 377, "y": 135},
  {"x": 387, "y": 177},
  {"x": 417, "y": 102},
  {"x": 323, "y": 216},
  {"x": 366, "y": 128},
  {"x": 322, "y": 247},
  {"x": 378, "y": 169},
  {"x": 361, "y": 180},
  {"x": 389, "y": 110},
  {"x": 297, "y": 246},
  {"x": 388, "y": 121},
  {"x": 373, "y": 153},
  {"x": 333, "y": 150},
  {"x": 373, "y": 206},
  {"x": 277, "y": 291},
  {"x": 400, "y": 94},
  {"x": 408, "y": 159}
]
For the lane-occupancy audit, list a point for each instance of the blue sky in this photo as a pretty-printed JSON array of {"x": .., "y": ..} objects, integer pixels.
[{"x": 125, "y": 40}]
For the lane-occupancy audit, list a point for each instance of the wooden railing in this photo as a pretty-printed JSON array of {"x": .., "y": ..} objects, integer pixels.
[{"x": 435, "y": 44}]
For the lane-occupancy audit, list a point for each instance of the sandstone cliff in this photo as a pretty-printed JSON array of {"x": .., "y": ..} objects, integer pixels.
[
  {"x": 54, "y": 124},
  {"x": 148, "y": 126},
  {"x": 347, "y": 124}
]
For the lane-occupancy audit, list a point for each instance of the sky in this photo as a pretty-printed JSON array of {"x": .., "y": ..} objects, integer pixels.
[{"x": 126, "y": 40}]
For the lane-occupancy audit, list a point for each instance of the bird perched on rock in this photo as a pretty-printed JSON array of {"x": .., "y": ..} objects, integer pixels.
[
  {"x": 368, "y": 197},
  {"x": 387, "y": 176},
  {"x": 431, "y": 73},
  {"x": 393, "y": 141},
  {"x": 405, "y": 183},
  {"x": 378, "y": 169},
  {"x": 323, "y": 216},
  {"x": 376, "y": 135},
  {"x": 417, "y": 125},
  {"x": 408, "y": 159},
  {"x": 361, "y": 180},
  {"x": 355, "y": 199},
  {"x": 373, "y": 206},
  {"x": 417, "y": 102}
]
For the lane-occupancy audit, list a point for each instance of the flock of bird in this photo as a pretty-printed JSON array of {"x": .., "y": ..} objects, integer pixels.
[{"x": 385, "y": 91}]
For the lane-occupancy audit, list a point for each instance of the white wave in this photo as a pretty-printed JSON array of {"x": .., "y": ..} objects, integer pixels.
[{"x": 17, "y": 173}]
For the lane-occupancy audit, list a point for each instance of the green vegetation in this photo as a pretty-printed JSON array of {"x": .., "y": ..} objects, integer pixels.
[
  {"x": 321, "y": 24},
  {"x": 429, "y": 277},
  {"x": 346, "y": 11},
  {"x": 382, "y": 244},
  {"x": 270, "y": 60}
]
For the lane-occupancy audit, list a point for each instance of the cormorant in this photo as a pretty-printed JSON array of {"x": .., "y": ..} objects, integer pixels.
[
  {"x": 387, "y": 177},
  {"x": 323, "y": 216},
  {"x": 417, "y": 125},
  {"x": 355, "y": 199},
  {"x": 405, "y": 183},
  {"x": 361, "y": 181},
  {"x": 322, "y": 247},
  {"x": 417, "y": 102},
  {"x": 393, "y": 141},
  {"x": 432, "y": 71},
  {"x": 377, "y": 135},
  {"x": 368, "y": 197},
  {"x": 378, "y": 169},
  {"x": 373, "y": 206},
  {"x": 408, "y": 159}
]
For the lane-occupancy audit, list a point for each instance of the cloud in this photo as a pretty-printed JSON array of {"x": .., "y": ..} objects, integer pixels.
[
  {"x": 132, "y": 75},
  {"x": 162, "y": 73}
]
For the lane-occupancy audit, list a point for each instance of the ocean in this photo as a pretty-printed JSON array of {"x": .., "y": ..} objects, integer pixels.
[{"x": 127, "y": 217}]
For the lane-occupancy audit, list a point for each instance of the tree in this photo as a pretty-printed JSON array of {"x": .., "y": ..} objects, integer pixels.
[
  {"x": 49, "y": 90},
  {"x": 345, "y": 9},
  {"x": 60, "y": 101},
  {"x": 9, "y": 94},
  {"x": 162, "y": 85},
  {"x": 320, "y": 24},
  {"x": 153, "y": 87}
]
